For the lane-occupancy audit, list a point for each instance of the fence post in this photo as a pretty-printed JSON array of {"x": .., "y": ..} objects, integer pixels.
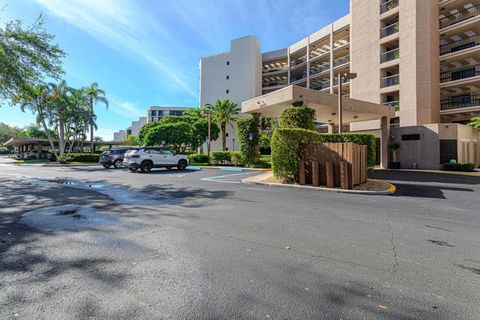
[
  {"x": 344, "y": 180},
  {"x": 329, "y": 174},
  {"x": 315, "y": 174},
  {"x": 301, "y": 173}
]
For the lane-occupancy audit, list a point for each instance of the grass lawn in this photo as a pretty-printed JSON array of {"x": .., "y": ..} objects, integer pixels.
[{"x": 33, "y": 161}]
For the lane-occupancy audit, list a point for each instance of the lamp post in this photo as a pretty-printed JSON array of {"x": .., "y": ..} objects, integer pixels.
[{"x": 348, "y": 76}]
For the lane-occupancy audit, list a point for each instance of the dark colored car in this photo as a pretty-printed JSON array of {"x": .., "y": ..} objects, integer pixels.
[{"x": 113, "y": 157}]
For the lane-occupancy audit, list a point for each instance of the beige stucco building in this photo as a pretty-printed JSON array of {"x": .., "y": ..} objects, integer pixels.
[{"x": 421, "y": 59}]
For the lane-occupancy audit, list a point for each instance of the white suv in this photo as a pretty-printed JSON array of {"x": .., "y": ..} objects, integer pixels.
[{"x": 146, "y": 158}]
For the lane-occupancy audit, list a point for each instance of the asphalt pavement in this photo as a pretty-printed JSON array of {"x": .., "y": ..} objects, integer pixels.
[{"x": 92, "y": 243}]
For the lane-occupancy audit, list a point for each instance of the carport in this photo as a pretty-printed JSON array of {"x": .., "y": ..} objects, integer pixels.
[{"x": 326, "y": 109}]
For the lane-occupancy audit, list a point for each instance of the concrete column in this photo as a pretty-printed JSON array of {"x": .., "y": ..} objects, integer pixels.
[
  {"x": 308, "y": 62},
  {"x": 330, "y": 128},
  {"x": 332, "y": 76},
  {"x": 288, "y": 64},
  {"x": 385, "y": 127}
]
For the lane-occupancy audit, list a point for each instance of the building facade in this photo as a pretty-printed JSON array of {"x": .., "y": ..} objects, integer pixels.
[
  {"x": 156, "y": 113},
  {"x": 420, "y": 58}
]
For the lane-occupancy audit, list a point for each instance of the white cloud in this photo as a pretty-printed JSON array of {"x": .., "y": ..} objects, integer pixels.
[{"x": 126, "y": 28}]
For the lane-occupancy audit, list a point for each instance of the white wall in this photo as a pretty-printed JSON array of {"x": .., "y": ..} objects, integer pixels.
[
  {"x": 137, "y": 125},
  {"x": 244, "y": 70}
]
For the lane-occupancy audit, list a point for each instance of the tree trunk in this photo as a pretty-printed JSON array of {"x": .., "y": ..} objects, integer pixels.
[
  {"x": 224, "y": 137},
  {"x": 61, "y": 139},
  {"x": 47, "y": 132},
  {"x": 91, "y": 126}
]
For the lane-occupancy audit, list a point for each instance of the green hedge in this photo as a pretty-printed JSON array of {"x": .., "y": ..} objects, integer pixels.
[
  {"x": 286, "y": 142},
  {"x": 220, "y": 157},
  {"x": 237, "y": 158},
  {"x": 297, "y": 117},
  {"x": 82, "y": 157},
  {"x": 465, "y": 167},
  {"x": 198, "y": 158}
]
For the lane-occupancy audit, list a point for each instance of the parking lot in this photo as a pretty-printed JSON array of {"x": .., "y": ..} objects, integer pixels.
[{"x": 88, "y": 242}]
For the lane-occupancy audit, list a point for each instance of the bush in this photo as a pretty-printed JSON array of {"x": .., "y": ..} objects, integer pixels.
[
  {"x": 286, "y": 142},
  {"x": 297, "y": 117},
  {"x": 465, "y": 167},
  {"x": 198, "y": 158},
  {"x": 80, "y": 157},
  {"x": 236, "y": 158},
  {"x": 220, "y": 157},
  {"x": 250, "y": 149}
]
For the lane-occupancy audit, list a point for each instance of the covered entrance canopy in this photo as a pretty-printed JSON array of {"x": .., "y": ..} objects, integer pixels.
[
  {"x": 326, "y": 110},
  {"x": 324, "y": 104}
]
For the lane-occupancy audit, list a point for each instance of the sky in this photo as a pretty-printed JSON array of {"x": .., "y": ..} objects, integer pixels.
[{"x": 147, "y": 52}]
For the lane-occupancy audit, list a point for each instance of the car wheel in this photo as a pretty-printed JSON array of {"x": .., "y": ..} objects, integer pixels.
[
  {"x": 182, "y": 165},
  {"x": 132, "y": 169},
  {"x": 107, "y": 165},
  {"x": 118, "y": 163},
  {"x": 146, "y": 166}
]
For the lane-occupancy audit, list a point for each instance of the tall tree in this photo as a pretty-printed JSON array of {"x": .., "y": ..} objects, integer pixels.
[
  {"x": 37, "y": 99},
  {"x": 194, "y": 113},
  {"x": 224, "y": 113},
  {"x": 95, "y": 95},
  {"x": 475, "y": 122},
  {"x": 27, "y": 57}
]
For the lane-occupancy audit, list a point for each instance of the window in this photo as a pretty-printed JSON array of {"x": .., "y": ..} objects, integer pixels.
[
  {"x": 227, "y": 91},
  {"x": 167, "y": 151},
  {"x": 228, "y": 63},
  {"x": 228, "y": 77},
  {"x": 153, "y": 151},
  {"x": 154, "y": 113},
  {"x": 410, "y": 137}
]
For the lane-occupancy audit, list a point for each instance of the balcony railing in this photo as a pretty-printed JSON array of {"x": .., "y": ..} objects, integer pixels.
[
  {"x": 299, "y": 61},
  {"x": 274, "y": 83},
  {"x": 460, "y": 16},
  {"x": 390, "y": 55},
  {"x": 389, "y": 5},
  {"x": 320, "y": 85},
  {"x": 319, "y": 69},
  {"x": 458, "y": 74},
  {"x": 393, "y": 104},
  {"x": 340, "y": 61},
  {"x": 299, "y": 77},
  {"x": 341, "y": 42},
  {"x": 389, "y": 81},
  {"x": 460, "y": 102},
  {"x": 344, "y": 80},
  {"x": 389, "y": 30},
  {"x": 460, "y": 45}
]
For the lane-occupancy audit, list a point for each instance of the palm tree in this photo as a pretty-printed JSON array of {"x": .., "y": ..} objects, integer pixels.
[
  {"x": 59, "y": 112},
  {"x": 223, "y": 112},
  {"x": 38, "y": 101},
  {"x": 194, "y": 112},
  {"x": 94, "y": 95}
]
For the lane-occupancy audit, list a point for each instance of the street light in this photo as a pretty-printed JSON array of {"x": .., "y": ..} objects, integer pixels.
[{"x": 341, "y": 76}]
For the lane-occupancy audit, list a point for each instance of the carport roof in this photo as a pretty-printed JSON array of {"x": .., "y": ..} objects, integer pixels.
[{"x": 324, "y": 104}]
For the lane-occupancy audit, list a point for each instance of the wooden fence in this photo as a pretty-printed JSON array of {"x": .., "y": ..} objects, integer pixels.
[{"x": 335, "y": 165}]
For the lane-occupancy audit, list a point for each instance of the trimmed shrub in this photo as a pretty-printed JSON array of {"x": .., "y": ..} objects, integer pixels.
[
  {"x": 236, "y": 158},
  {"x": 198, "y": 158},
  {"x": 220, "y": 157},
  {"x": 297, "y": 117},
  {"x": 250, "y": 149},
  {"x": 465, "y": 167},
  {"x": 82, "y": 157},
  {"x": 286, "y": 142}
]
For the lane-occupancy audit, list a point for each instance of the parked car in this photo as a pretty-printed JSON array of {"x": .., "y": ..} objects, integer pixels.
[
  {"x": 113, "y": 157},
  {"x": 33, "y": 154},
  {"x": 147, "y": 158}
]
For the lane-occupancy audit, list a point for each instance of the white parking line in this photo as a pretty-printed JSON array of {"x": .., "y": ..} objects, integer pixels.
[{"x": 224, "y": 178}]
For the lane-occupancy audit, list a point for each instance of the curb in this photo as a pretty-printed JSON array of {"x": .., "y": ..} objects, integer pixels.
[
  {"x": 239, "y": 169},
  {"x": 464, "y": 174},
  {"x": 391, "y": 188}
]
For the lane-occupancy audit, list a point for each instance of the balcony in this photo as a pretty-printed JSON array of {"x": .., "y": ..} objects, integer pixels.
[
  {"x": 460, "y": 45},
  {"x": 459, "y": 74},
  {"x": 298, "y": 62},
  {"x": 389, "y": 55},
  {"x": 341, "y": 42},
  {"x": 341, "y": 61},
  {"x": 460, "y": 16},
  {"x": 393, "y": 104},
  {"x": 389, "y": 30},
  {"x": 319, "y": 69},
  {"x": 320, "y": 85},
  {"x": 389, "y": 81},
  {"x": 275, "y": 83},
  {"x": 460, "y": 102},
  {"x": 389, "y": 5}
]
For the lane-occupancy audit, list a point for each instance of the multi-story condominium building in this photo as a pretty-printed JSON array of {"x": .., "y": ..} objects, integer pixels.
[
  {"x": 156, "y": 113},
  {"x": 418, "y": 58},
  {"x": 133, "y": 130}
]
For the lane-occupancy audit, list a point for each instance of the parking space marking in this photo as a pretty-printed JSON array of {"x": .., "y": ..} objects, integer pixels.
[{"x": 225, "y": 178}]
